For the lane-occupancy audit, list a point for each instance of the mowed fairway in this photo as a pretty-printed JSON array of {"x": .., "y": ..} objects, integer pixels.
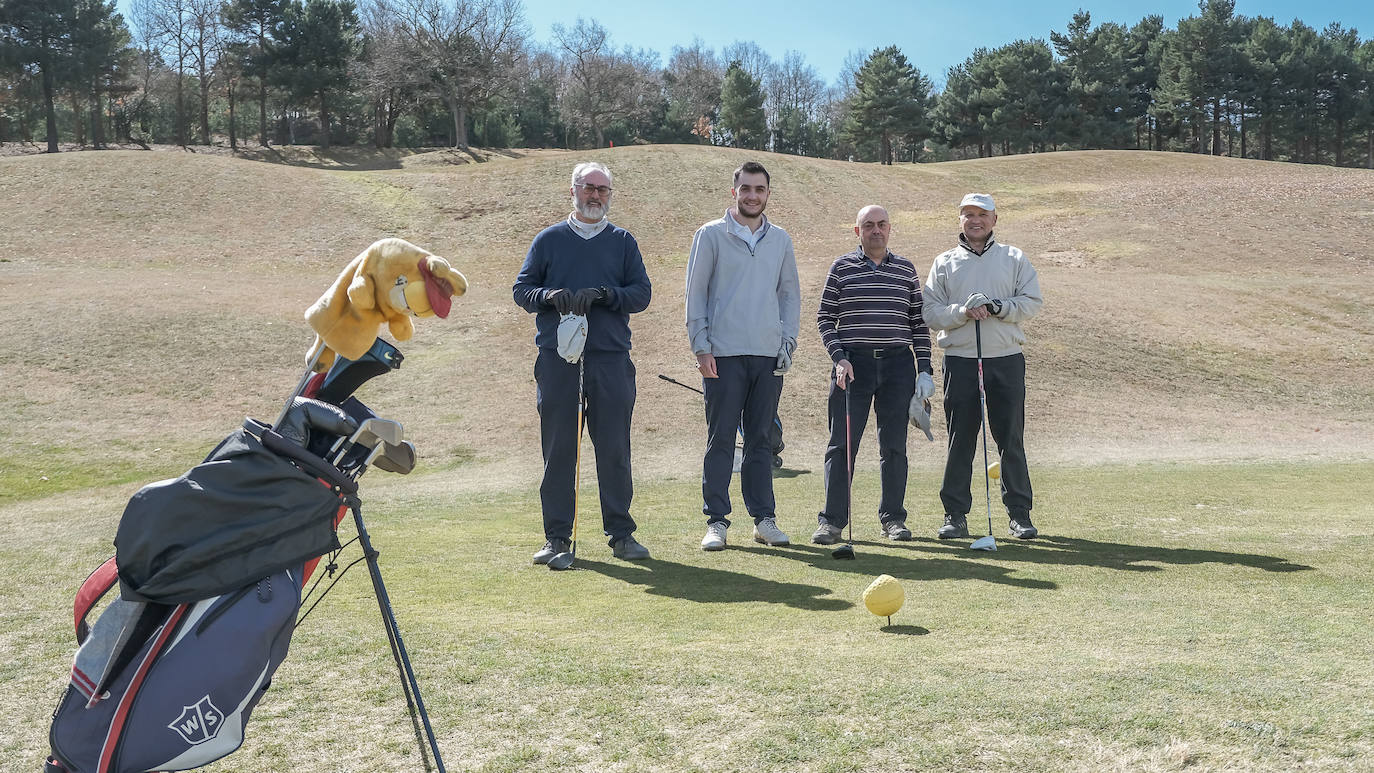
[{"x": 1200, "y": 419}]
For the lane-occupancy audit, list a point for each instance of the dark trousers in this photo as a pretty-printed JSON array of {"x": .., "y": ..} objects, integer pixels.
[
  {"x": 743, "y": 398},
  {"x": 1004, "y": 380},
  {"x": 887, "y": 383},
  {"x": 609, "y": 386}
]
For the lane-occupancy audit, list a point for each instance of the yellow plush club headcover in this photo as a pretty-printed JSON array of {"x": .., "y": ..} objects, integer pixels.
[{"x": 391, "y": 281}]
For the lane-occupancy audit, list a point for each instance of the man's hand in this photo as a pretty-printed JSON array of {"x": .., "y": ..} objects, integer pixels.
[
  {"x": 584, "y": 298},
  {"x": 706, "y": 365},
  {"x": 979, "y": 306},
  {"x": 844, "y": 374},
  {"x": 561, "y": 300},
  {"x": 925, "y": 386}
]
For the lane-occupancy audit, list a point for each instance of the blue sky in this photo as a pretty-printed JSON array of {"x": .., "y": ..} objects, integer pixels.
[{"x": 934, "y": 36}]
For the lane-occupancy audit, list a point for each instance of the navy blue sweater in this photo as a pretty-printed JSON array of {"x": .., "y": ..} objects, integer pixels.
[{"x": 559, "y": 258}]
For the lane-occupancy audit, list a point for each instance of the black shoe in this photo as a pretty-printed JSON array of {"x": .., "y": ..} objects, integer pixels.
[
  {"x": 1022, "y": 528},
  {"x": 551, "y": 548},
  {"x": 628, "y": 549},
  {"x": 955, "y": 526},
  {"x": 896, "y": 530}
]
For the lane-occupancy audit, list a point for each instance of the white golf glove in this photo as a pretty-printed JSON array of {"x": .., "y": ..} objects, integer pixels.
[
  {"x": 925, "y": 386},
  {"x": 784, "y": 362},
  {"x": 920, "y": 416},
  {"x": 572, "y": 336}
]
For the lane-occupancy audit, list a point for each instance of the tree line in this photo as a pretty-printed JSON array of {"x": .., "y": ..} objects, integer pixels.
[{"x": 418, "y": 73}]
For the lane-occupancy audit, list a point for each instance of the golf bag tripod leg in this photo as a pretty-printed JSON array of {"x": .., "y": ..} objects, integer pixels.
[{"x": 398, "y": 649}]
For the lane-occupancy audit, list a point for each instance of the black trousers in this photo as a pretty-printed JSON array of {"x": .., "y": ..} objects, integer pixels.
[
  {"x": 887, "y": 383},
  {"x": 1004, "y": 380},
  {"x": 609, "y": 386},
  {"x": 743, "y": 399}
]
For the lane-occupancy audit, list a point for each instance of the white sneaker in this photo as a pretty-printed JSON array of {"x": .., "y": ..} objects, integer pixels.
[
  {"x": 715, "y": 536},
  {"x": 767, "y": 532}
]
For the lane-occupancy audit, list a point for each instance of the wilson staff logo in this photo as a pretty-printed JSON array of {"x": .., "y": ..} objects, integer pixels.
[{"x": 199, "y": 723}]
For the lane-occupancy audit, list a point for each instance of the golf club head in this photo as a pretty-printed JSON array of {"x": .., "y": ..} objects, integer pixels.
[
  {"x": 399, "y": 458},
  {"x": 843, "y": 553},
  {"x": 984, "y": 543},
  {"x": 561, "y": 561},
  {"x": 371, "y": 433}
]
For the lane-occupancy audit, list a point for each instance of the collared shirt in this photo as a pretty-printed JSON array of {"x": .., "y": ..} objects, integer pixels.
[
  {"x": 963, "y": 242},
  {"x": 586, "y": 230},
  {"x": 873, "y": 306},
  {"x": 736, "y": 228}
]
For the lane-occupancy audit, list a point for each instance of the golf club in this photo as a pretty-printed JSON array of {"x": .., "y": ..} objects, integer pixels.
[
  {"x": 679, "y": 383},
  {"x": 371, "y": 431},
  {"x": 389, "y": 457},
  {"x": 397, "y": 458},
  {"x": 563, "y": 561},
  {"x": 846, "y": 551},
  {"x": 983, "y": 543}
]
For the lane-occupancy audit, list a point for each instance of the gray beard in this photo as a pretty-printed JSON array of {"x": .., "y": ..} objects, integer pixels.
[{"x": 591, "y": 212}]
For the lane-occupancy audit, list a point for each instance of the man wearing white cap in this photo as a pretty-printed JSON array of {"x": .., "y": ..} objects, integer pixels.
[
  {"x": 995, "y": 286},
  {"x": 582, "y": 279}
]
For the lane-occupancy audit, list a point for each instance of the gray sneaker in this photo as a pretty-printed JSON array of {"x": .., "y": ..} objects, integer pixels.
[
  {"x": 715, "y": 536},
  {"x": 896, "y": 530},
  {"x": 826, "y": 534},
  {"x": 551, "y": 548},
  {"x": 767, "y": 532},
  {"x": 628, "y": 549}
]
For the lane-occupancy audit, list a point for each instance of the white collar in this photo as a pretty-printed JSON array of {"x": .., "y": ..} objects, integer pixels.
[{"x": 587, "y": 230}]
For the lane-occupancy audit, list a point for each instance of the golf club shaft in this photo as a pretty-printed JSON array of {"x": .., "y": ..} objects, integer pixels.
[
  {"x": 849, "y": 464},
  {"x": 982, "y": 418},
  {"x": 577, "y": 465}
]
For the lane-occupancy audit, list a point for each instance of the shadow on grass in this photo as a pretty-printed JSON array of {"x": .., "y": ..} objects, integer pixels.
[
  {"x": 703, "y": 584},
  {"x": 905, "y": 630},
  {"x": 904, "y": 567},
  {"x": 1071, "y": 551}
]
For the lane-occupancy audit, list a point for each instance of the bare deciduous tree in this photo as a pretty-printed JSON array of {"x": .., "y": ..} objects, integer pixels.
[
  {"x": 467, "y": 48},
  {"x": 603, "y": 85}
]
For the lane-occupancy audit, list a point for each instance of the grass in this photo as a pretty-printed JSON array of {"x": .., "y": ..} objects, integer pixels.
[{"x": 1204, "y": 617}]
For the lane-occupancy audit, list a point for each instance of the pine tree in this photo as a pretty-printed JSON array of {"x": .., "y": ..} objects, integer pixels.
[
  {"x": 741, "y": 109},
  {"x": 891, "y": 102},
  {"x": 39, "y": 33}
]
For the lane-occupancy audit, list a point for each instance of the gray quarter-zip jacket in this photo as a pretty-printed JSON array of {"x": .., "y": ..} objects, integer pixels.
[{"x": 742, "y": 301}]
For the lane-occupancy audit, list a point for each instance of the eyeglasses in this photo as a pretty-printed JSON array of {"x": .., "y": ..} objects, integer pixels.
[{"x": 588, "y": 188}]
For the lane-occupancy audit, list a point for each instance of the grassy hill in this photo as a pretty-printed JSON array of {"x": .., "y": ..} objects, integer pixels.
[
  {"x": 1177, "y": 613},
  {"x": 1196, "y": 307}
]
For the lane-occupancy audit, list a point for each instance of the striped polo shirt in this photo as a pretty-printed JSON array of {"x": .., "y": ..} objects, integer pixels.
[{"x": 869, "y": 306}]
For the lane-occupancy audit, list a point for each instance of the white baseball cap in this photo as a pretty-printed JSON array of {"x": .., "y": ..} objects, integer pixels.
[{"x": 979, "y": 200}]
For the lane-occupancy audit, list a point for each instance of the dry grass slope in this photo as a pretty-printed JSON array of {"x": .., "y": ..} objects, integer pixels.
[{"x": 1196, "y": 308}]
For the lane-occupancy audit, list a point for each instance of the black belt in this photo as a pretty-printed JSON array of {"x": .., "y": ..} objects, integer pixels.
[{"x": 878, "y": 354}]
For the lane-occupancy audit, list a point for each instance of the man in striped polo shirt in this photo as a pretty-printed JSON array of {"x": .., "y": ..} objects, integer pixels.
[{"x": 870, "y": 321}]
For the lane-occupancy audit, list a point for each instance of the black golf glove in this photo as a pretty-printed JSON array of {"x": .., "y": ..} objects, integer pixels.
[
  {"x": 561, "y": 300},
  {"x": 584, "y": 298},
  {"x": 306, "y": 415}
]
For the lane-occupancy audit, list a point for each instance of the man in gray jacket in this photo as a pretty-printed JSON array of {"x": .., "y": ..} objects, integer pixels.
[
  {"x": 995, "y": 286},
  {"x": 743, "y": 316}
]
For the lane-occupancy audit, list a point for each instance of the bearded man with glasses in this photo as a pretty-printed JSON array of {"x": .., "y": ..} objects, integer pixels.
[{"x": 585, "y": 266}]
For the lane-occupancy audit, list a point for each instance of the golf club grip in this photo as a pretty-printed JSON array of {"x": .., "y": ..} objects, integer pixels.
[
  {"x": 679, "y": 383},
  {"x": 309, "y": 462}
]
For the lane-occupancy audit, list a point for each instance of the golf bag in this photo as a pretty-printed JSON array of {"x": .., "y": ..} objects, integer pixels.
[
  {"x": 180, "y": 696},
  {"x": 210, "y": 569}
]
